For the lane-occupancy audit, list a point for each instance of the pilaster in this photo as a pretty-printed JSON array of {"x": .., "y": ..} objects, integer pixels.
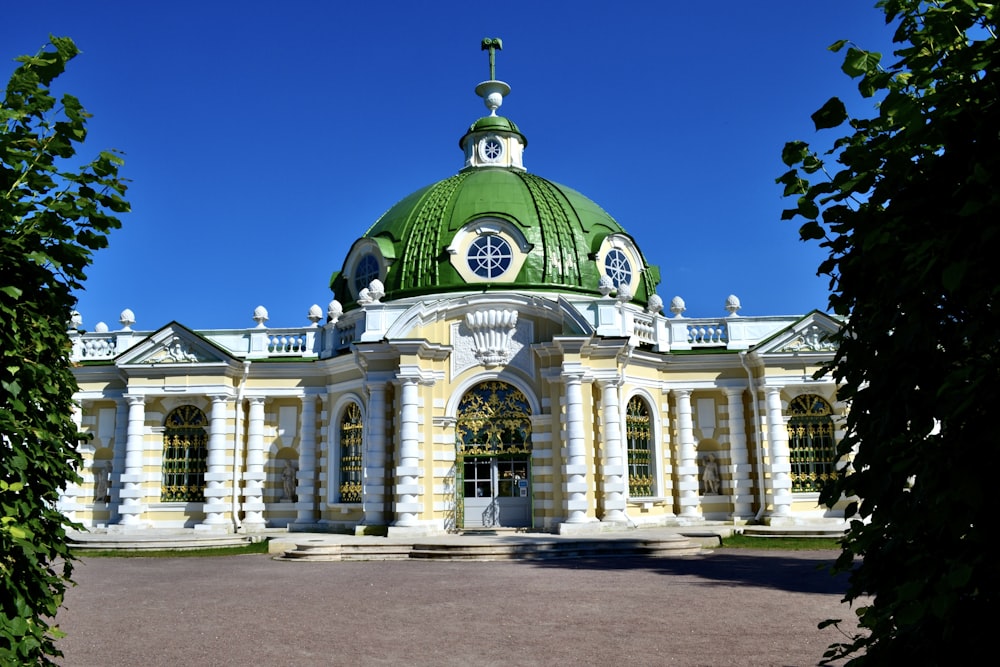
[
  {"x": 373, "y": 493},
  {"x": 305, "y": 492},
  {"x": 739, "y": 463}
]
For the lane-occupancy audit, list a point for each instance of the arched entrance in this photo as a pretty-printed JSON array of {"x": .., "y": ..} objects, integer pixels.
[{"x": 493, "y": 440}]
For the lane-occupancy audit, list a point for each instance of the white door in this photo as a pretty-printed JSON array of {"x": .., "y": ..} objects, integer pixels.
[{"x": 496, "y": 492}]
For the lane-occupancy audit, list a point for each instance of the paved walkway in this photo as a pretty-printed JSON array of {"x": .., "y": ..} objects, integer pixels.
[{"x": 727, "y": 607}]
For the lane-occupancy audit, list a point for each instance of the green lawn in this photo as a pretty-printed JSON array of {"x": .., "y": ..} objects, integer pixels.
[{"x": 738, "y": 541}]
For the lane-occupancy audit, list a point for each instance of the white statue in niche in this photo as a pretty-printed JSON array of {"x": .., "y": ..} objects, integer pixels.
[
  {"x": 710, "y": 475},
  {"x": 102, "y": 479},
  {"x": 288, "y": 483}
]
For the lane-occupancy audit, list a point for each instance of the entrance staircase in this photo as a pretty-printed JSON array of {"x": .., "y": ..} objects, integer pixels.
[{"x": 493, "y": 548}]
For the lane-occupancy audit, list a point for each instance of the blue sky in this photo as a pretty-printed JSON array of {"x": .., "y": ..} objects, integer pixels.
[{"x": 264, "y": 138}]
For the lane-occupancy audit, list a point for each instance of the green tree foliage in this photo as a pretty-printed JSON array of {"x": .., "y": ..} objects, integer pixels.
[
  {"x": 908, "y": 204},
  {"x": 52, "y": 217}
]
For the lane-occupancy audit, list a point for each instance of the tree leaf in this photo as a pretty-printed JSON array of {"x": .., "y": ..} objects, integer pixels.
[{"x": 831, "y": 114}]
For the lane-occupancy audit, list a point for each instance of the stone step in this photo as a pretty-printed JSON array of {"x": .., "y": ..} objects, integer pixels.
[
  {"x": 157, "y": 543},
  {"x": 346, "y": 552},
  {"x": 794, "y": 531},
  {"x": 543, "y": 549}
]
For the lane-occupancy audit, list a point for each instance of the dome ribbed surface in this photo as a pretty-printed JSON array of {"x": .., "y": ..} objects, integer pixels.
[{"x": 564, "y": 229}]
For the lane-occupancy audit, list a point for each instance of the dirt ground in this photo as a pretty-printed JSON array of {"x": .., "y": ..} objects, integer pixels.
[{"x": 728, "y": 607}]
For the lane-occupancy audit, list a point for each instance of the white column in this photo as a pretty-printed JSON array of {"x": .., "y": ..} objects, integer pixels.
[
  {"x": 217, "y": 481},
  {"x": 254, "y": 477},
  {"x": 373, "y": 493},
  {"x": 132, "y": 493},
  {"x": 574, "y": 468},
  {"x": 70, "y": 490},
  {"x": 305, "y": 492},
  {"x": 407, "y": 504},
  {"x": 115, "y": 481},
  {"x": 780, "y": 466},
  {"x": 687, "y": 469},
  {"x": 739, "y": 462},
  {"x": 612, "y": 461}
]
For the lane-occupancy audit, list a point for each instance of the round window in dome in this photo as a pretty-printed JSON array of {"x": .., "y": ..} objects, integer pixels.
[
  {"x": 366, "y": 271},
  {"x": 491, "y": 149},
  {"x": 618, "y": 268},
  {"x": 490, "y": 256}
]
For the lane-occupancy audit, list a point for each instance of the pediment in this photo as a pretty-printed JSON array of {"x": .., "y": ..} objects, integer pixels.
[
  {"x": 813, "y": 334},
  {"x": 174, "y": 345}
]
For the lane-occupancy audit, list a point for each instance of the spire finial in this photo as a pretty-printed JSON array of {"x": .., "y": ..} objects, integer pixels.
[{"x": 493, "y": 44}]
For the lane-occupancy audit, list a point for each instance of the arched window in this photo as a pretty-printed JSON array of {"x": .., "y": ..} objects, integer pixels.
[
  {"x": 493, "y": 418},
  {"x": 810, "y": 442},
  {"x": 366, "y": 271},
  {"x": 351, "y": 460},
  {"x": 639, "y": 442},
  {"x": 185, "y": 455},
  {"x": 618, "y": 268}
]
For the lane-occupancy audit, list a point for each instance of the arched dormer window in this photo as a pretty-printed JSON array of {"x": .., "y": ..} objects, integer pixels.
[{"x": 619, "y": 260}]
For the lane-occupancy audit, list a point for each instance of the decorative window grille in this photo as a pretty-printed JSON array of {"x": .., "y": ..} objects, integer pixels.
[
  {"x": 618, "y": 268},
  {"x": 366, "y": 271},
  {"x": 185, "y": 456},
  {"x": 493, "y": 418},
  {"x": 490, "y": 256},
  {"x": 639, "y": 436},
  {"x": 351, "y": 440},
  {"x": 812, "y": 449}
]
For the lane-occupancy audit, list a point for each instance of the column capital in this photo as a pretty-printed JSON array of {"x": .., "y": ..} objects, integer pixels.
[
  {"x": 416, "y": 375},
  {"x": 135, "y": 399},
  {"x": 681, "y": 393},
  {"x": 609, "y": 382}
]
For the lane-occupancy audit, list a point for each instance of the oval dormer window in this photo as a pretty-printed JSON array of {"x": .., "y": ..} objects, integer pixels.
[
  {"x": 618, "y": 268},
  {"x": 490, "y": 256}
]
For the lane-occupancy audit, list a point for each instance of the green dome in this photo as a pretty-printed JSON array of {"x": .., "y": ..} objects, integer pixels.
[
  {"x": 493, "y": 124},
  {"x": 559, "y": 239}
]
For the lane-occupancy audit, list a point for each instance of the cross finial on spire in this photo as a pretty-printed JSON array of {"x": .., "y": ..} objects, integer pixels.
[{"x": 493, "y": 44}]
